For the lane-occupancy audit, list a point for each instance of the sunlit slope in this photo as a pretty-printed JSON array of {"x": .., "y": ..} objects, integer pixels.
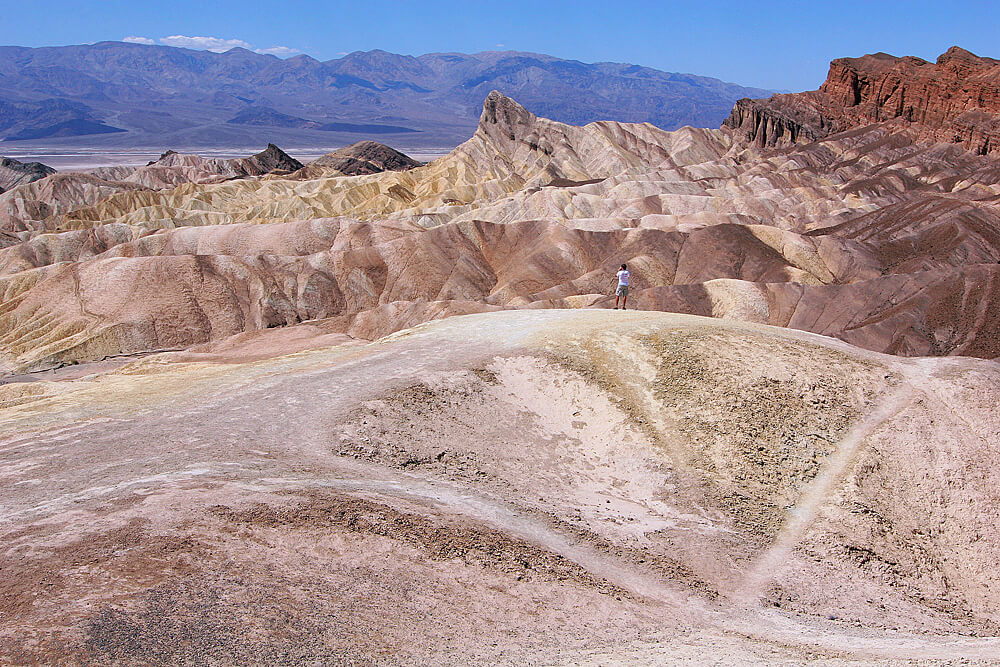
[{"x": 606, "y": 481}]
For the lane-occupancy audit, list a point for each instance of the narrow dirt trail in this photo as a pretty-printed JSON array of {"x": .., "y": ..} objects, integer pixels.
[
  {"x": 741, "y": 620},
  {"x": 172, "y": 443},
  {"x": 800, "y": 517}
]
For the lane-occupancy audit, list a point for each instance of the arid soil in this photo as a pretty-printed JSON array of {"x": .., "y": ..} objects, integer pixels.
[
  {"x": 251, "y": 416},
  {"x": 523, "y": 487}
]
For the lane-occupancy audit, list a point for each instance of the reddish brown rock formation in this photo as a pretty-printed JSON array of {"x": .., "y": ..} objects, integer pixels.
[{"x": 955, "y": 100}]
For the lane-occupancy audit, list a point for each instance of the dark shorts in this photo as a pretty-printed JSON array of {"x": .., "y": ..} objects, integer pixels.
[{"x": 622, "y": 290}]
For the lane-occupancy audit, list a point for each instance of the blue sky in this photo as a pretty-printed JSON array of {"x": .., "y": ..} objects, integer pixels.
[{"x": 778, "y": 45}]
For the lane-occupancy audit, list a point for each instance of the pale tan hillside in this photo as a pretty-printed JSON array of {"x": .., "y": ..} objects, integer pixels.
[
  {"x": 24, "y": 209},
  {"x": 557, "y": 487}
]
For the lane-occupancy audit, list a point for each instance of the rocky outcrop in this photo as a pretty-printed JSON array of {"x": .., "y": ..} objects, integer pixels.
[
  {"x": 954, "y": 100},
  {"x": 366, "y": 157},
  {"x": 271, "y": 159},
  {"x": 14, "y": 173},
  {"x": 777, "y": 121},
  {"x": 363, "y": 157}
]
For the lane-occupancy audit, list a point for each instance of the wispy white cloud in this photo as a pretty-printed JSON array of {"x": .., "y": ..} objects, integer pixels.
[
  {"x": 499, "y": 46},
  {"x": 214, "y": 44},
  {"x": 278, "y": 51}
]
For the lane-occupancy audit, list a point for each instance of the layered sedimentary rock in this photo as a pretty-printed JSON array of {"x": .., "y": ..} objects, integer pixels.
[
  {"x": 875, "y": 234},
  {"x": 24, "y": 208},
  {"x": 180, "y": 287},
  {"x": 954, "y": 100},
  {"x": 511, "y": 155},
  {"x": 13, "y": 172}
]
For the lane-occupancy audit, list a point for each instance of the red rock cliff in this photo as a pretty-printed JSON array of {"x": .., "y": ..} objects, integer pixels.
[{"x": 955, "y": 100}]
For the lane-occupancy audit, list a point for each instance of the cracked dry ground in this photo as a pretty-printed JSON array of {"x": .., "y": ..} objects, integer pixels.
[{"x": 522, "y": 487}]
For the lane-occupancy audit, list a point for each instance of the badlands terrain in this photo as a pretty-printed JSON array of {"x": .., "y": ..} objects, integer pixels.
[{"x": 364, "y": 410}]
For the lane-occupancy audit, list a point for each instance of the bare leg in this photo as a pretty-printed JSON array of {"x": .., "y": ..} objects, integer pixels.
[
  {"x": 617, "y": 296},
  {"x": 624, "y": 301}
]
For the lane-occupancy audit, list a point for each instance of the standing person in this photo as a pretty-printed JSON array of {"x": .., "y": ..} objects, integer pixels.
[{"x": 622, "y": 291}]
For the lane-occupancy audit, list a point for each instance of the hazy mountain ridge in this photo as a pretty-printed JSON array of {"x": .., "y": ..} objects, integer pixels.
[{"x": 165, "y": 95}]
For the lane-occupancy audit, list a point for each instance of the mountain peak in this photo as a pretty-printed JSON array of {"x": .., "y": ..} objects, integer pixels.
[
  {"x": 273, "y": 158},
  {"x": 500, "y": 110},
  {"x": 958, "y": 53},
  {"x": 14, "y": 172}
]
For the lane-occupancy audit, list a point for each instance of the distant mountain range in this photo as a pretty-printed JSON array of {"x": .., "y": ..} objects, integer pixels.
[{"x": 116, "y": 94}]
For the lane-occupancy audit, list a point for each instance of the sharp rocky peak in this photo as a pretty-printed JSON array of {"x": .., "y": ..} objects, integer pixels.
[
  {"x": 502, "y": 116},
  {"x": 365, "y": 157},
  {"x": 14, "y": 172}
]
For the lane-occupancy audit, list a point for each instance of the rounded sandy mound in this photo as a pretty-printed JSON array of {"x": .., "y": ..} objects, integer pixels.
[{"x": 511, "y": 487}]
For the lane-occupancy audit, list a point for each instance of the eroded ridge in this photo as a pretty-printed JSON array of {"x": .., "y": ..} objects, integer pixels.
[{"x": 882, "y": 232}]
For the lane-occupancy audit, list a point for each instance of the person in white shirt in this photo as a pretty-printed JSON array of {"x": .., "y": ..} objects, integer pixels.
[{"x": 622, "y": 291}]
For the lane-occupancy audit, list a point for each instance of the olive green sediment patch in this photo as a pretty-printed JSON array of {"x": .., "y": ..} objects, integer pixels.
[{"x": 751, "y": 417}]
